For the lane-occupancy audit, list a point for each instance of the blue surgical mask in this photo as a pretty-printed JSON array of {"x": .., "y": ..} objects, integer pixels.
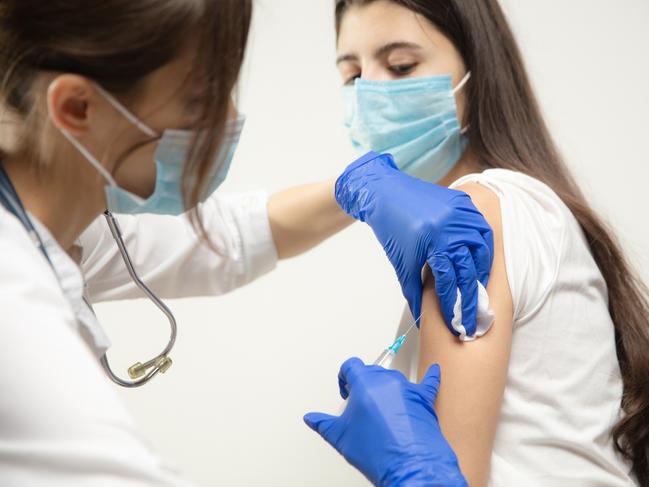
[
  {"x": 170, "y": 156},
  {"x": 413, "y": 119}
]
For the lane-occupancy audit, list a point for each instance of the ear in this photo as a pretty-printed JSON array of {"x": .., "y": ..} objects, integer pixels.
[{"x": 69, "y": 104}]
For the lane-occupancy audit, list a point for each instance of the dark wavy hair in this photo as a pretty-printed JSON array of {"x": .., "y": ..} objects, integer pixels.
[
  {"x": 117, "y": 43},
  {"x": 508, "y": 131}
]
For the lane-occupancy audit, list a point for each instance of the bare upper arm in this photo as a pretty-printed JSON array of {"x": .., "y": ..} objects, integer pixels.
[{"x": 473, "y": 373}]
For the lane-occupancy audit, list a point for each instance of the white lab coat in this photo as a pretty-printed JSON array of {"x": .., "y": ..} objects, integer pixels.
[{"x": 61, "y": 422}]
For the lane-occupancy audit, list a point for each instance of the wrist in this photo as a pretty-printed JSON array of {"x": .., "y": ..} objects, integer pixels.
[
  {"x": 425, "y": 473},
  {"x": 350, "y": 198}
]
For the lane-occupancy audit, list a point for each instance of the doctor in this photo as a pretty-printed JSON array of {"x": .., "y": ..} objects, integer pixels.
[{"x": 126, "y": 107}]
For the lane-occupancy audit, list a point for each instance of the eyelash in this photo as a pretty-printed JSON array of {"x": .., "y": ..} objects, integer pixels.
[
  {"x": 351, "y": 80},
  {"x": 402, "y": 69},
  {"x": 398, "y": 70}
]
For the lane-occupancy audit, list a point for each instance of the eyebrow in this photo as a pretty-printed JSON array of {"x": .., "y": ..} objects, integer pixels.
[{"x": 381, "y": 51}]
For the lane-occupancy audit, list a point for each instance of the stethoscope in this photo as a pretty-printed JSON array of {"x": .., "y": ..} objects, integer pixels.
[{"x": 140, "y": 373}]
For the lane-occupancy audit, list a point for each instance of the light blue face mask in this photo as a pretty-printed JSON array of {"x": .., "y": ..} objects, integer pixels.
[
  {"x": 170, "y": 156},
  {"x": 413, "y": 119}
]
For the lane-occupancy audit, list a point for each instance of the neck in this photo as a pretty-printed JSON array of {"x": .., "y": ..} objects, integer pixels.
[
  {"x": 466, "y": 165},
  {"x": 57, "y": 200}
]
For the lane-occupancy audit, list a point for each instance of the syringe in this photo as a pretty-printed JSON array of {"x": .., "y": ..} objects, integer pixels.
[{"x": 386, "y": 357}]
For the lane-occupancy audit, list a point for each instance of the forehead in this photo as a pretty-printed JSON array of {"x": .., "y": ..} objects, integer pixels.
[
  {"x": 365, "y": 26},
  {"x": 182, "y": 70},
  {"x": 174, "y": 81}
]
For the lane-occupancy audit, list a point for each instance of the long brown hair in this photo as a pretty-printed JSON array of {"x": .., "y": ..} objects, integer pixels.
[
  {"x": 508, "y": 131},
  {"x": 117, "y": 43}
]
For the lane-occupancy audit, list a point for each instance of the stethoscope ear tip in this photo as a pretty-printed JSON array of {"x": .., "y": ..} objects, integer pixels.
[{"x": 161, "y": 364}]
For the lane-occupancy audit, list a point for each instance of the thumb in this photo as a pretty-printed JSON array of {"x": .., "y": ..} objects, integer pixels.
[
  {"x": 430, "y": 384},
  {"x": 322, "y": 424}
]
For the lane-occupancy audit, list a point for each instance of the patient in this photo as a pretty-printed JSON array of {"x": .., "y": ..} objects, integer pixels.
[{"x": 556, "y": 393}]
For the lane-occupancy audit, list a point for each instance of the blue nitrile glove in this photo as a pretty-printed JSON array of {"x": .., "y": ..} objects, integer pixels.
[
  {"x": 389, "y": 429},
  {"x": 417, "y": 223}
]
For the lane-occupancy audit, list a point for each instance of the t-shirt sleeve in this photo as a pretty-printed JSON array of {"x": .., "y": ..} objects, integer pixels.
[{"x": 534, "y": 222}]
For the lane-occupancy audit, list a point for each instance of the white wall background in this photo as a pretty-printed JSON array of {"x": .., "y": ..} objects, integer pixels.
[{"x": 248, "y": 365}]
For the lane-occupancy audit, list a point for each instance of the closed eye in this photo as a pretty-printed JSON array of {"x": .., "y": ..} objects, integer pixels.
[
  {"x": 402, "y": 69},
  {"x": 350, "y": 80}
]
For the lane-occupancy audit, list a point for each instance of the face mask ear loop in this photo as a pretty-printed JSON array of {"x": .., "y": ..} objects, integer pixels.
[
  {"x": 102, "y": 170},
  {"x": 462, "y": 82},
  {"x": 459, "y": 86},
  {"x": 126, "y": 113}
]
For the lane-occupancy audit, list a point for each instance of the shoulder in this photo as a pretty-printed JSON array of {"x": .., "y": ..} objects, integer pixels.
[
  {"x": 31, "y": 292},
  {"x": 513, "y": 192},
  {"x": 507, "y": 184},
  {"x": 485, "y": 200},
  {"x": 533, "y": 223},
  {"x": 21, "y": 261}
]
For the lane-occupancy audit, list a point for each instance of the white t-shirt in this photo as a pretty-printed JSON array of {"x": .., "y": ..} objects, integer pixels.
[
  {"x": 61, "y": 421},
  {"x": 563, "y": 387}
]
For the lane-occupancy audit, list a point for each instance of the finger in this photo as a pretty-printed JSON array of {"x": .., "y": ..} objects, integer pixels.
[
  {"x": 429, "y": 386},
  {"x": 323, "y": 424},
  {"x": 467, "y": 281},
  {"x": 482, "y": 260},
  {"x": 488, "y": 237},
  {"x": 469, "y": 216},
  {"x": 412, "y": 289},
  {"x": 445, "y": 286},
  {"x": 347, "y": 375},
  {"x": 343, "y": 387}
]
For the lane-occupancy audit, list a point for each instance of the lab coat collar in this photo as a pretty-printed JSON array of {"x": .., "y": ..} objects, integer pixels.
[{"x": 74, "y": 288}]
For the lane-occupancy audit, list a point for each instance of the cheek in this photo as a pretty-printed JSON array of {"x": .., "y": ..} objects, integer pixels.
[
  {"x": 137, "y": 171},
  {"x": 438, "y": 62}
]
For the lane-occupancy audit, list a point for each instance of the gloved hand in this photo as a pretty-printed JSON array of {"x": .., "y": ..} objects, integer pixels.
[
  {"x": 417, "y": 223},
  {"x": 389, "y": 429}
]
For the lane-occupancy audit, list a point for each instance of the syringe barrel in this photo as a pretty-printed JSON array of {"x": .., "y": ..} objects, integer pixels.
[{"x": 385, "y": 359}]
